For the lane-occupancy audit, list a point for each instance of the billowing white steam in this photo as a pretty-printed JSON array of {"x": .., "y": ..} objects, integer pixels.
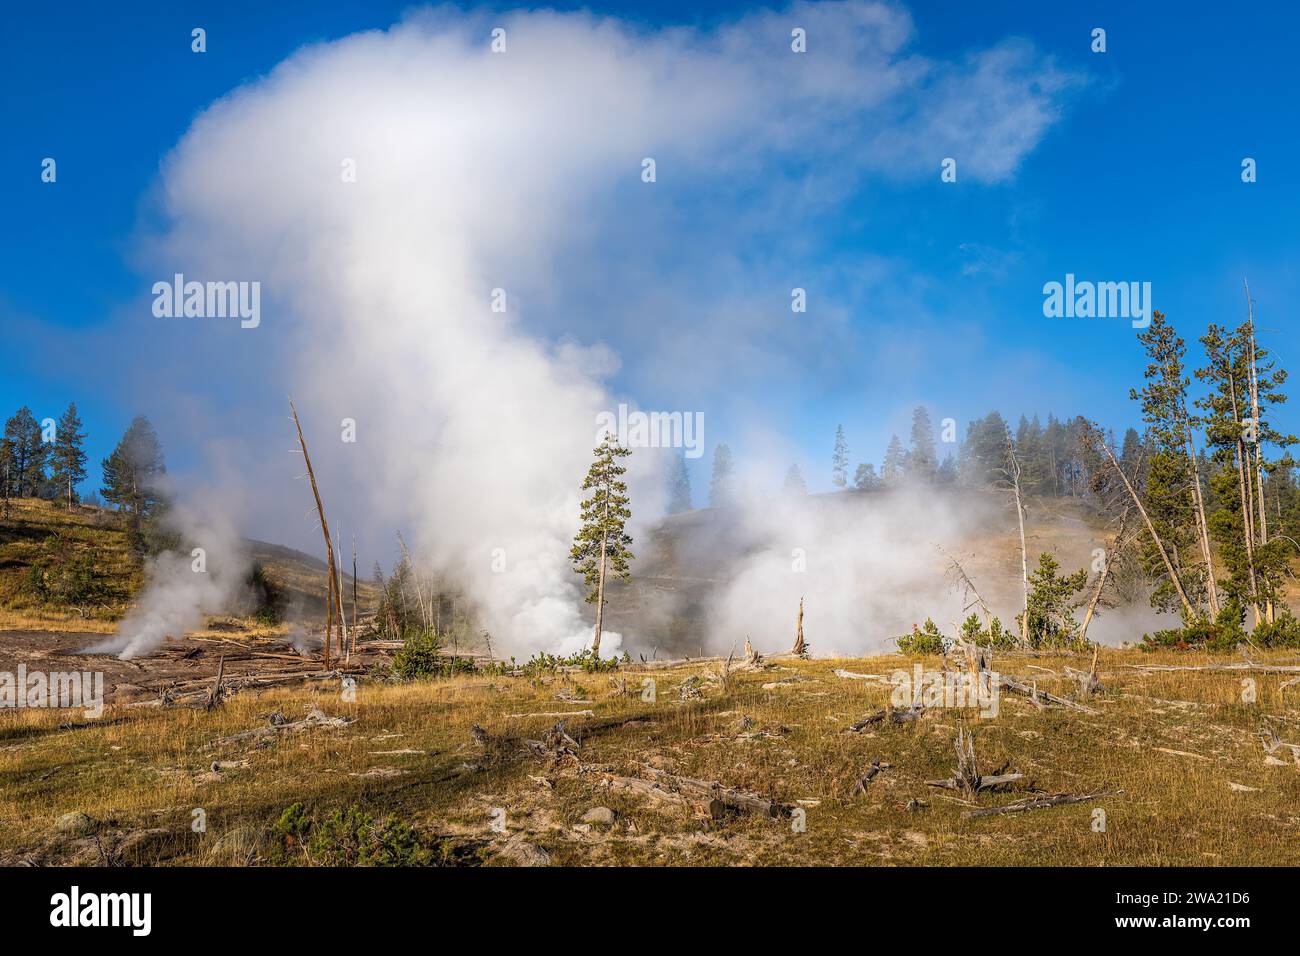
[
  {"x": 182, "y": 587},
  {"x": 478, "y": 170}
]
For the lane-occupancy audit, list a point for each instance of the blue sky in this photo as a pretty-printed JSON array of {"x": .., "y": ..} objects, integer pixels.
[{"x": 1138, "y": 178}]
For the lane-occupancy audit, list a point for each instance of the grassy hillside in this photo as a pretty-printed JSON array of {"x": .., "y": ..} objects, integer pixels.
[{"x": 73, "y": 570}]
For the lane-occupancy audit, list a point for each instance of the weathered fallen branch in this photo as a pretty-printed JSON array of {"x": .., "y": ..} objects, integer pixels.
[
  {"x": 1244, "y": 666},
  {"x": 860, "y": 787},
  {"x": 850, "y": 675},
  {"x": 719, "y": 799},
  {"x": 1039, "y": 803},
  {"x": 278, "y": 725},
  {"x": 1040, "y": 696}
]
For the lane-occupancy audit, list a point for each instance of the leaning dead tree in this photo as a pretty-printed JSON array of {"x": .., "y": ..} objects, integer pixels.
[
  {"x": 968, "y": 586},
  {"x": 1174, "y": 579},
  {"x": 1111, "y": 555},
  {"x": 333, "y": 599}
]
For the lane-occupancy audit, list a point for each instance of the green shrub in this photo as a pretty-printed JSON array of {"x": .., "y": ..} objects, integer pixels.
[
  {"x": 348, "y": 837},
  {"x": 923, "y": 640},
  {"x": 1222, "y": 634},
  {"x": 420, "y": 658},
  {"x": 1283, "y": 632},
  {"x": 993, "y": 636}
]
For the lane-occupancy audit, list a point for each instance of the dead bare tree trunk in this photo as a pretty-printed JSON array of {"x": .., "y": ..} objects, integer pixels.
[
  {"x": 970, "y": 586},
  {"x": 1259, "y": 455},
  {"x": 800, "y": 648},
  {"x": 415, "y": 576},
  {"x": 1151, "y": 529},
  {"x": 325, "y": 530},
  {"x": 354, "y": 595},
  {"x": 1014, "y": 473}
]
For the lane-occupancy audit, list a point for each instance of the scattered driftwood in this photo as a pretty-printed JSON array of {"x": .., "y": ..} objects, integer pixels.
[
  {"x": 1272, "y": 743},
  {"x": 663, "y": 665},
  {"x": 555, "y": 743},
  {"x": 860, "y": 787},
  {"x": 196, "y": 693},
  {"x": 556, "y": 713},
  {"x": 278, "y": 725},
  {"x": 1042, "y": 697},
  {"x": 1039, "y": 803},
  {"x": 1243, "y": 666},
  {"x": 889, "y": 714},
  {"x": 967, "y": 778}
]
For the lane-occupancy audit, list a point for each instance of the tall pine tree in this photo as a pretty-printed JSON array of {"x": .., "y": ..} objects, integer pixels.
[
  {"x": 133, "y": 476},
  {"x": 68, "y": 461},
  {"x": 840, "y": 459},
  {"x": 722, "y": 485},
  {"x": 922, "y": 463},
  {"x": 679, "y": 488},
  {"x": 601, "y": 546}
]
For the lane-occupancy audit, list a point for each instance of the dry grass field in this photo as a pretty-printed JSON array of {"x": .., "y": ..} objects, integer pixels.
[{"x": 1198, "y": 784}]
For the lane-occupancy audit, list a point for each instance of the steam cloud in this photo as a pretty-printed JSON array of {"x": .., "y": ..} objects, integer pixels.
[{"x": 478, "y": 171}]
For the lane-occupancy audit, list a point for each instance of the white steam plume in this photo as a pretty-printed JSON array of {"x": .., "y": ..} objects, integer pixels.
[{"x": 477, "y": 171}]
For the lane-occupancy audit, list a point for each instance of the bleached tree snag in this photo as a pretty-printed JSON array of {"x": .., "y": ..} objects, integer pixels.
[
  {"x": 217, "y": 693},
  {"x": 325, "y": 530},
  {"x": 1151, "y": 530},
  {"x": 1013, "y": 474},
  {"x": 800, "y": 648},
  {"x": 967, "y": 778},
  {"x": 1259, "y": 455},
  {"x": 1088, "y": 683},
  {"x": 1039, "y": 803}
]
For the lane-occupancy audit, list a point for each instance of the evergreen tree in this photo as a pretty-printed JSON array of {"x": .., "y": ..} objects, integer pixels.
[
  {"x": 722, "y": 484},
  {"x": 1256, "y": 567},
  {"x": 1174, "y": 486},
  {"x": 794, "y": 483},
  {"x": 601, "y": 546},
  {"x": 840, "y": 459},
  {"x": 68, "y": 462},
  {"x": 922, "y": 462},
  {"x": 133, "y": 476},
  {"x": 27, "y": 453},
  {"x": 679, "y": 491},
  {"x": 865, "y": 478},
  {"x": 947, "y": 473},
  {"x": 893, "y": 467},
  {"x": 984, "y": 453}
]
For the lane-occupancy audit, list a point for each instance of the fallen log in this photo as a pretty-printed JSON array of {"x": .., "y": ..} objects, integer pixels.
[
  {"x": 1244, "y": 666},
  {"x": 849, "y": 675},
  {"x": 1039, "y": 803},
  {"x": 278, "y": 725},
  {"x": 900, "y": 717},
  {"x": 718, "y": 799}
]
